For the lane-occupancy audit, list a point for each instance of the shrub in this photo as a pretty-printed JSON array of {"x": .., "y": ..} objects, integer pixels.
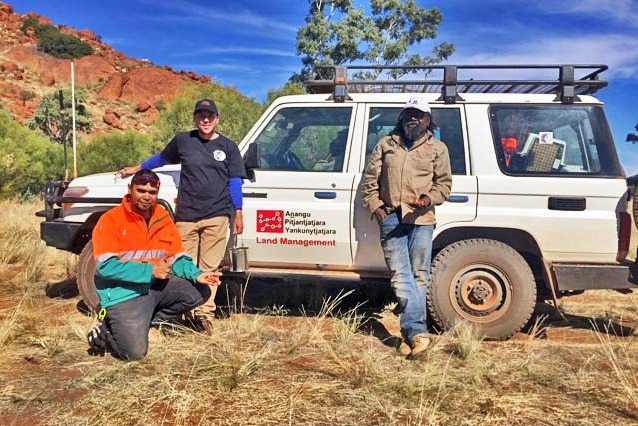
[
  {"x": 27, "y": 161},
  {"x": 54, "y": 43},
  {"x": 111, "y": 152},
  {"x": 49, "y": 121},
  {"x": 290, "y": 88},
  {"x": 31, "y": 23},
  {"x": 62, "y": 46}
]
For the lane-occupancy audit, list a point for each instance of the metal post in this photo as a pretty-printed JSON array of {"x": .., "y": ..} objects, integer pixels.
[{"x": 63, "y": 130}]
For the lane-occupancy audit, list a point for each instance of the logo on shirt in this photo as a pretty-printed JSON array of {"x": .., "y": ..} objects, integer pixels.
[
  {"x": 219, "y": 155},
  {"x": 270, "y": 221}
]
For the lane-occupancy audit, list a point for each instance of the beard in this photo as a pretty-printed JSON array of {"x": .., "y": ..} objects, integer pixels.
[{"x": 413, "y": 131}]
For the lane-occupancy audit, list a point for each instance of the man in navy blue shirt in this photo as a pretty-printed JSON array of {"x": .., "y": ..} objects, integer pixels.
[{"x": 209, "y": 192}]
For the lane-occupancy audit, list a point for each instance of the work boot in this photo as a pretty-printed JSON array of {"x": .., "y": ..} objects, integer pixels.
[
  {"x": 201, "y": 322},
  {"x": 204, "y": 324},
  {"x": 403, "y": 347},
  {"x": 419, "y": 344}
]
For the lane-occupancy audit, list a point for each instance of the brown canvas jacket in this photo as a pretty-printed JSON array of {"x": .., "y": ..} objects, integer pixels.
[{"x": 397, "y": 175}]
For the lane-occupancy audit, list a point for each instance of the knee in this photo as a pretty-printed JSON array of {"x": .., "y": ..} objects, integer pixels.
[
  {"x": 131, "y": 353},
  {"x": 134, "y": 356}
]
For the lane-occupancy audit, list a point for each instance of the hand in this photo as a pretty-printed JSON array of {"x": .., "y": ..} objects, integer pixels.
[
  {"x": 209, "y": 278},
  {"x": 380, "y": 214},
  {"x": 238, "y": 222},
  {"x": 161, "y": 269},
  {"x": 128, "y": 171},
  {"x": 98, "y": 339},
  {"x": 422, "y": 201}
]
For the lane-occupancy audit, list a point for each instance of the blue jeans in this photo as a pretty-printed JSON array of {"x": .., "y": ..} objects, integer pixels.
[
  {"x": 407, "y": 250},
  {"x": 130, "y": 321}
]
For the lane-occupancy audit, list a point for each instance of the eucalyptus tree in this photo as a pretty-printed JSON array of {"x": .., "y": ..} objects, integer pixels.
[{"x": 386, "y": 32}]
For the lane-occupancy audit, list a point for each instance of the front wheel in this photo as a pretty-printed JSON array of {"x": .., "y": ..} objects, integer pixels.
[
  {"x": 484, "y": 282},
  {"x": 85, "y": 278}
]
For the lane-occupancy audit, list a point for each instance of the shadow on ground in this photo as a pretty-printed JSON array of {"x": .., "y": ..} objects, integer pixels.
[
  {"x": 547, "y": 316},
  {"x": 67, "y": 289},
  {"x": 307, "y": 297}
]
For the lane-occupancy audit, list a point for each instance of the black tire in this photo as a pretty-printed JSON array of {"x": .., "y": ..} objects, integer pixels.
[
  {"x": 484, "y": 282},
  {"x": 86, "y": 272}
]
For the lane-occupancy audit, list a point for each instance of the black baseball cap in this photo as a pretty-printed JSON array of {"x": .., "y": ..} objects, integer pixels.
[{"x": 207, "y": 105}]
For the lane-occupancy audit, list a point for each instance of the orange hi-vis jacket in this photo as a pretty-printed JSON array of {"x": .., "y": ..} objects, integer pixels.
[{"x": 126, "y": 247}]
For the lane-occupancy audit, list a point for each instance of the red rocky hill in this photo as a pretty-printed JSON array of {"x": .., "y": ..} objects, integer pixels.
[{"x": 122, "y": 93}]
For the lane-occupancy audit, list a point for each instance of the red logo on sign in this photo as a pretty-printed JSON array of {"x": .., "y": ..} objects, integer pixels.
[{"x": 270, "y": 221}]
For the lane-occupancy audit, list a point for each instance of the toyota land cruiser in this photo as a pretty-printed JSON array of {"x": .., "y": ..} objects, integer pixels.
[{"x": 538, "y": 208}]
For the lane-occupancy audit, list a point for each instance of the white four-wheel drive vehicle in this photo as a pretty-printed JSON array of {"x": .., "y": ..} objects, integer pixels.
[{"x": 538, "y": 208}]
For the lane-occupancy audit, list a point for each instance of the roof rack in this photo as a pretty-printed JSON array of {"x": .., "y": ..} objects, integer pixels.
[{"x": 341, "y": 80}]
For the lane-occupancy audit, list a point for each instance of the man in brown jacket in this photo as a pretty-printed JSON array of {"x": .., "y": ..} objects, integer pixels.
[{"x": 408, "y": 174}]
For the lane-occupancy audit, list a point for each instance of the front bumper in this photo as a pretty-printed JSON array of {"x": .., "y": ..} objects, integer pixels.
[{"x": 61, "y": 235}]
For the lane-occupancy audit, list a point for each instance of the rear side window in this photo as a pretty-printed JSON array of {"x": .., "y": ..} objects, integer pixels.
[
  {"x": 553, "y": 140},
  {"x": 382, "y": 120}
]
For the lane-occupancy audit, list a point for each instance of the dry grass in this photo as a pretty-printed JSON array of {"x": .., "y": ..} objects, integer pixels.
[{"x": 275, "y": 366}]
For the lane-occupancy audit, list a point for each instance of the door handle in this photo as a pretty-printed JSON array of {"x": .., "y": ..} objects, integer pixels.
[
  {"x": 255, "y": 194},
  {"x": 458, "y": 199},
  {"x": 325, "y": 195}
]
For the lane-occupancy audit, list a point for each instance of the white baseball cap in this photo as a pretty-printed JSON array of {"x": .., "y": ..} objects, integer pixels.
[{"x": 417, "y": 103}]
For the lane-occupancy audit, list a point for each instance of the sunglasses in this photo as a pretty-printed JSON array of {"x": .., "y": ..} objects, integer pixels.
[
  {"x": 146, "y": 180},
  {"x": 416, "y": 113},
  {"x": 201, "y": 116}
]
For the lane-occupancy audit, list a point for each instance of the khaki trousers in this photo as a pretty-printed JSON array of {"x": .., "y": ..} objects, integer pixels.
[{"x": 205, "y": 242}]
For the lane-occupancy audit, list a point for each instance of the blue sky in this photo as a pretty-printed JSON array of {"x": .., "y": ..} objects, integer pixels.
[{"x": 250, "y": 44}]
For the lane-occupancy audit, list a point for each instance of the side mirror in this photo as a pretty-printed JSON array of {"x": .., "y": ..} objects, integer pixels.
[{"x": 252, "y": 159}]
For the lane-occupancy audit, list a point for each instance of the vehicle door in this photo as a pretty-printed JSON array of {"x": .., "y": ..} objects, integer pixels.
[
  {"x": 297, "y": 208},
  {"x": 462, "y": 203}
]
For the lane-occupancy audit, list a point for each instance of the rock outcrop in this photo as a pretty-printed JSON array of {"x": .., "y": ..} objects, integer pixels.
[{"x": 123, "y": 91}]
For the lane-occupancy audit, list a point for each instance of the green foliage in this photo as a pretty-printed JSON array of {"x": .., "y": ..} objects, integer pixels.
[
  {"x": 32, "y": 23},
  {"x": 54, "y": 43},
  {"x": 27, "y": 161},
  {"x": 62, "y": 46},
  {"x": 49, "y": 121},
  {"x": 26, "y": 95},
  {"x": 633, "y": 137},
  {"x": 237, "y": 113},
  {"x": 290, "y": 88},
  {"x": 111, "y": 152},
  {"x": 337, "y": 33}
]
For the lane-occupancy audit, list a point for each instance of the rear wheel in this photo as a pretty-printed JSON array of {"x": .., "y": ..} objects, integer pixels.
[
  {"x": 484, "y": 282},
  {"x": 86, "y": 273}
]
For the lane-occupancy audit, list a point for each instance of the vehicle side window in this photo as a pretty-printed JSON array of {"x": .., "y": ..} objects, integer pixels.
[
  {"x": 306, "y": 138},
  {"x": 553, "y": 140},
  {"x": 450, "y": 131},
  {"x": 381, "y": 121}
]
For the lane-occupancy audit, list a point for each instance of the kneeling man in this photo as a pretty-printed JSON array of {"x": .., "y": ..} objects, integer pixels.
[{"x": 143, "y": 274}]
